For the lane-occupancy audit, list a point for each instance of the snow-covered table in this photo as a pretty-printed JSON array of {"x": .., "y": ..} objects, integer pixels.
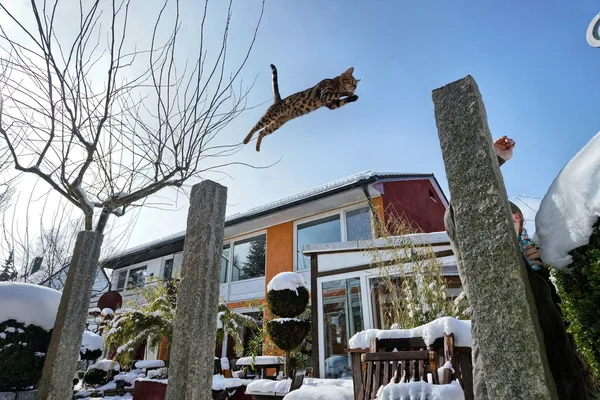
[{"x": 262, "y": 363}]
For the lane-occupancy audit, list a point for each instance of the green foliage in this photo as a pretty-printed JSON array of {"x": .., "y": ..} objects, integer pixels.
[
  {"x": 288, "y": 334},
  {"x": 22, "y": 355},
  {"x": 579, "y": 291},
  {"x": 229, "y": 322},
  {"x": 286, "y": 303},
  {"x": 148, "y": 323},
  {"x": 153, "y": 318},
  {"x": 97, "y": 377}
]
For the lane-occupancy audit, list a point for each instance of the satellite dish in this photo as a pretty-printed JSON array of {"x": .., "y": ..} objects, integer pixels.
[{"x": 593, "y": 32}]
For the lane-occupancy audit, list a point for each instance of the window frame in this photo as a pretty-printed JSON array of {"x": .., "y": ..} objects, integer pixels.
[
  {"x": 242, "y": 238},
  {"x": 128, "y": 270},
  {"x": 341, "y": 212}
]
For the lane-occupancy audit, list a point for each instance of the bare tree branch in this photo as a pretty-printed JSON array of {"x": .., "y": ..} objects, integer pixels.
[{"x": 106, "y": 124}]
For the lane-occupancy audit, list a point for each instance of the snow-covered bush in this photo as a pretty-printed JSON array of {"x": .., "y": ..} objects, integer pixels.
[
  {"x": 567, "y": 229},
  {"x": 27, "y": 314},
  {"x": 101, "y": 373},
  {"x": 286, "y": 295},
  {"x": 22, "y": 354},
  {"x": 91, "y": 346},
  {"x": 579, "y": 292},
  {"x": 288, "y": 332}
]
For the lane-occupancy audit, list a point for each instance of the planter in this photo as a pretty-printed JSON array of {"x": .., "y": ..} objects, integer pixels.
[
  {"x": 22, "y": 395},
  {"x": 147, "y": 390}
]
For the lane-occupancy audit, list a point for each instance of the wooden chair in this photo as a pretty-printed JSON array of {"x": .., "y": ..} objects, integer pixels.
[{"x": 390, "y": 360}]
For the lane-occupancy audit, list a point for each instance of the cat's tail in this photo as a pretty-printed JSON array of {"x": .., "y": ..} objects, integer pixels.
[{"x": 276, "y": 95}]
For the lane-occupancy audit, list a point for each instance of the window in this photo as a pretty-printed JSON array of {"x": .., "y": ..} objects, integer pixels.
[
  {"x": 224, "y": 263},
  {"x": 121, "y": 279},
  {"x": 326, "y": 230},
  {"x": 137, "y": 277},
  {"x": 177, "y": 261},
  {"x": 168, "y": 270},
  {"x": 358, "y": 224},
  {"x": 249, "y": 258}
]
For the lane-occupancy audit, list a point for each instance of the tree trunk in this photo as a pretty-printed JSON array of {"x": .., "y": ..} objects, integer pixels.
[{"x": 288, "y": 364}]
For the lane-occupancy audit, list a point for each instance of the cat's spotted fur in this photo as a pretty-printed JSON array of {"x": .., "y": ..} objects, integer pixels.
[{"x": 331, "y": 93}]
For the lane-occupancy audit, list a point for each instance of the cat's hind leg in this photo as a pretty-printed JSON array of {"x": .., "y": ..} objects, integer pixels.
[
  {"x": 264, "y": 121},
  {"x": 332, "y": 105},
  {"x": 272, "y": 127}
]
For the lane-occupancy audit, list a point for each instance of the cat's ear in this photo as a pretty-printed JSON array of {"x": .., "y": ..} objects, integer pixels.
[{"x": 349, "y": 71}]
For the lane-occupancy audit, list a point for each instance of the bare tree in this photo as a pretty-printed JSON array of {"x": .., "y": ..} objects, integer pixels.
[{"x": 154, "y": 121}]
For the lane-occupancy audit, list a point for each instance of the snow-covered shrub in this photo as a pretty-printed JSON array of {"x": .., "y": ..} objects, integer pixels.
[
  {"x": 286, "y": 295},
  {"x": 22, "y": 354},
  {"x": 232, "y": 323},
  {"x": 579, "y": 291},
  {"x": 101, "y": 373},
  {"x": 27, "y": 314},
  {"x": 91, "y": 346},
  {"x": 288, "y": 332}
]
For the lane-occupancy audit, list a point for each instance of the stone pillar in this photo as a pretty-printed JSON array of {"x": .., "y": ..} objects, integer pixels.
[
  {"x": 63, "y": 352},
  {"x": 511, "y": 349},
  {"x": 195, "y": 329}
]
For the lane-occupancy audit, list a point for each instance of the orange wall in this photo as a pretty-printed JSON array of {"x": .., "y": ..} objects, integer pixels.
[{"x": 280, "y": 248}]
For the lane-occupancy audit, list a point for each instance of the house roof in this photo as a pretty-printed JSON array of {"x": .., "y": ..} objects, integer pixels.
[{"x": 174, "y": 243}]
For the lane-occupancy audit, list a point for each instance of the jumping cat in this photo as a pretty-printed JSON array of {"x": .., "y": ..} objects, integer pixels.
[{"x": 331, "y": 93}]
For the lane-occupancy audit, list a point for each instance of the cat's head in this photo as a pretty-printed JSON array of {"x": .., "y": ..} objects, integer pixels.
[{"x": 347, "y": 80}]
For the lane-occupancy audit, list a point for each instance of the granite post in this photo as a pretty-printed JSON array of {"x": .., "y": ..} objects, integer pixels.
[
  {"x": 192, "y": 355},
  {"x": 63, "y": 352},
  {"x": 512, "y": 356}
]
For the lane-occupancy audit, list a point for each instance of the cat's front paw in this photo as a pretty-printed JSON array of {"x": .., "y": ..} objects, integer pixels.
[{"x": 352, "y": 98}]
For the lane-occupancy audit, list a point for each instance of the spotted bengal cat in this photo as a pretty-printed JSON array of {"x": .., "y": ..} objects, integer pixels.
[{"x": 331, "y": 93}]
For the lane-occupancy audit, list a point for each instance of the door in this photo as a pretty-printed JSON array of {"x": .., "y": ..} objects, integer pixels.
[{"x": 341, "y": 317}]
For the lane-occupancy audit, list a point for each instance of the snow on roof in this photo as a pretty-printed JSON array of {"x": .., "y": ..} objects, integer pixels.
[
  {"x": 90, "y": 341},
  {"x": 286, "y": 280},
  {"x": 571, "y": 207},
  {"x": 421, "y": 390},
  {"x": 286, "y": 201},
  {"x": 29, "y": 304},
  {"x": 429, "y": 332}
]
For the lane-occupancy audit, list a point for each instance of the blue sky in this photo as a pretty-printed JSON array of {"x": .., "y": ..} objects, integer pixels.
[{"x": 537, "y": 75}]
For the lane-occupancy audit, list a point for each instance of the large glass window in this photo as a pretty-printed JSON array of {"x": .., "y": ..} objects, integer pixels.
[
  {"x": 342, "y": 318},
  {"x": 326, "y": 230},
  {"x": 137, "y": 277},
  {"x": 224, "y": 263},
  {"x": 358, "y": 224},
  {"x": 249, "y": 258}
]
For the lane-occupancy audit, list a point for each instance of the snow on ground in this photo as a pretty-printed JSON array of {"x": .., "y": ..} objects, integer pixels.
[
  {"x": 90, "y": 341},
  {"x": 570, "y": 207},
  {"x": 286, "y": 280},
  {"x": 260, "y": 360},
  {"x": 149, "y": 364},
  {"x": 107, "y": 365},
  {"x": 429, "y": 332},
  {"x": 219, "y": 382},
  {"x": 320, "y": 393},
  {"x": 268, "y": 386},
  {"x": 421, "y": 390},
  {"x": 29, "y": 304}
]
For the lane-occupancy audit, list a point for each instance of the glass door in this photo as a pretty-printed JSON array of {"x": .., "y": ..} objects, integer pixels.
[{"x": 342, "y": 315}]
